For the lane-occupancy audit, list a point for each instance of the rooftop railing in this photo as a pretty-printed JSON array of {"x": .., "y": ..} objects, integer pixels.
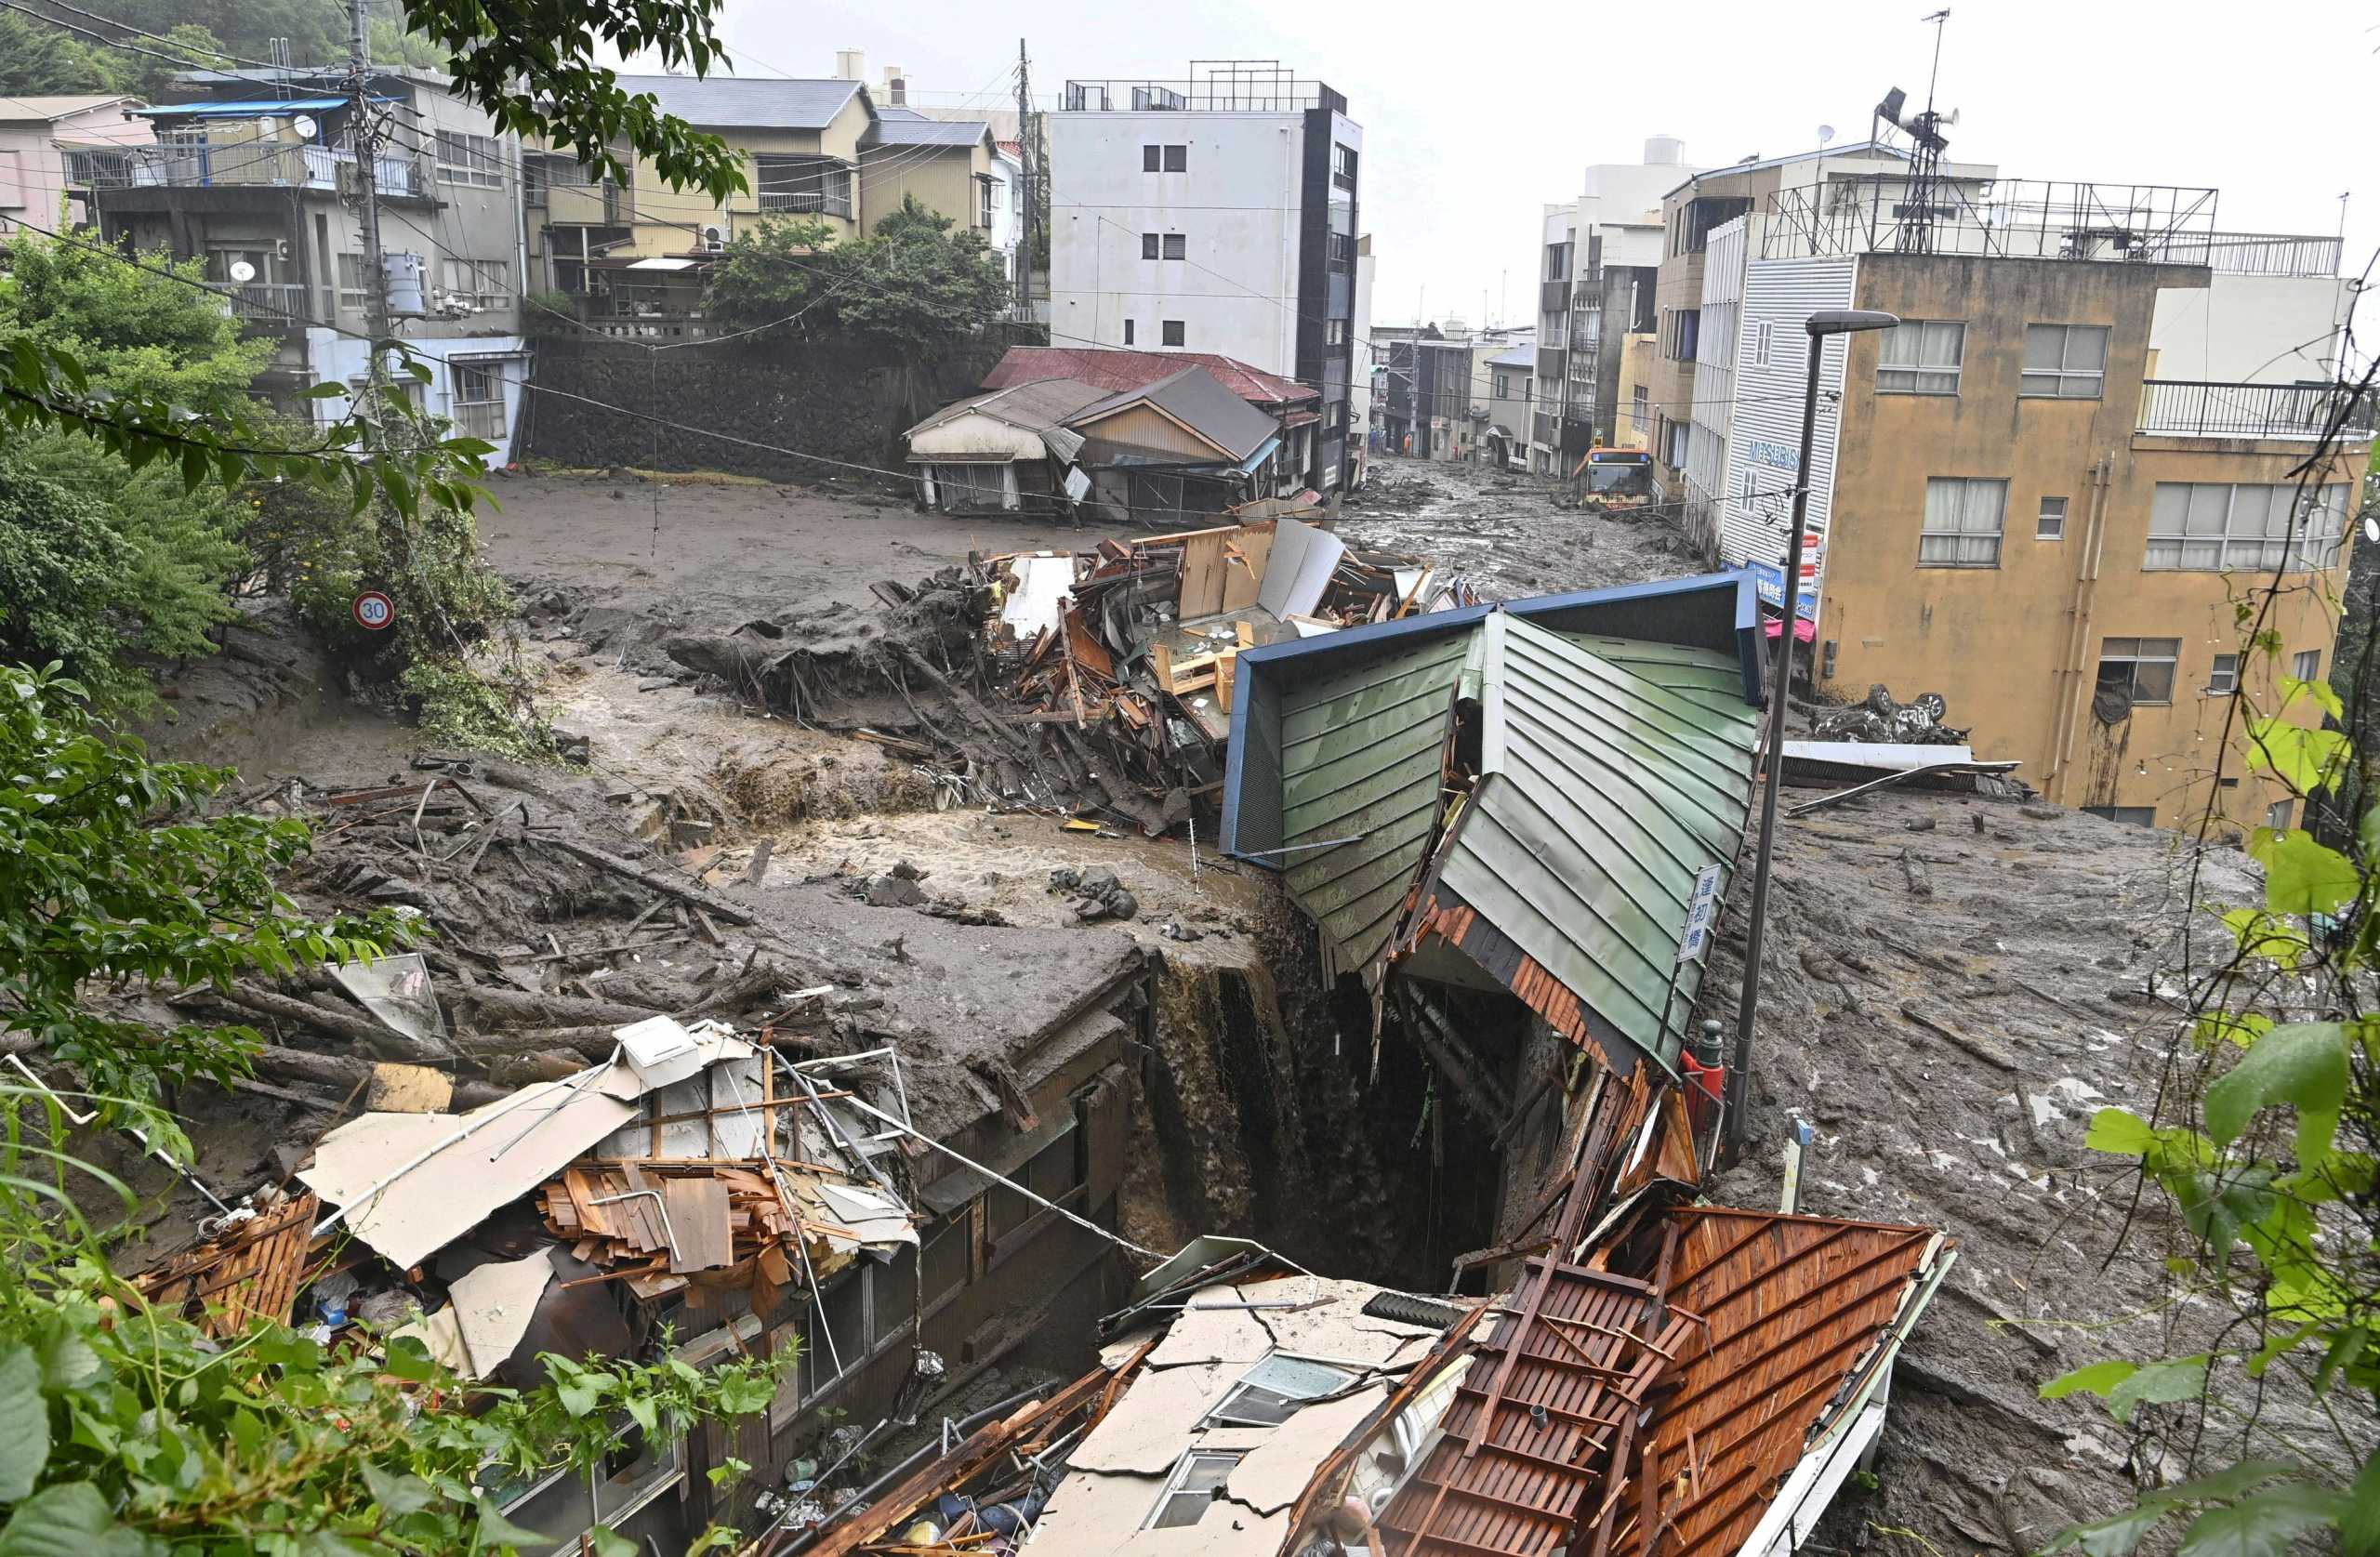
[
  {"x": 2029, "y": 220},
  {"x": 260, "y": 163},
  {"x": 2192, "y": 408}
]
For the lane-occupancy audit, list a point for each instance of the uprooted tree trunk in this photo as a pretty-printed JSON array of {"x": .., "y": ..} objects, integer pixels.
[{"x": 595, "y": 1039}]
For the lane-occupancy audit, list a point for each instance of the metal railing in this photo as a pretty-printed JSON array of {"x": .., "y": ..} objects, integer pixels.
[
  {"x": 268, "y": 302},
  {"x": 1263, "y": 92},
  {"x": 1996, "y": 218},
  {"x": 264, "y": 164},
  {"x": 2249, "y": 254},
  {"x": 2191, "y": 408}
]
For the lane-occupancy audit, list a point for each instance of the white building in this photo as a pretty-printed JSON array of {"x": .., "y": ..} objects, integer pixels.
[
  {"x": 1615, "y": 222},
  {"x": 1369, "y": 362},
  {"x": 1216, "y": 215}
]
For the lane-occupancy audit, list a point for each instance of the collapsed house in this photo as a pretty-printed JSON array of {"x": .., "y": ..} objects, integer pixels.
[
  {"x": 1528, "y": 797},
  {"x": 1158, "y": 439}
]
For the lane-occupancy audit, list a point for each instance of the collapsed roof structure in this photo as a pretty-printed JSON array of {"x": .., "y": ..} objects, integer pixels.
[{"x": 1529, "y": 796}]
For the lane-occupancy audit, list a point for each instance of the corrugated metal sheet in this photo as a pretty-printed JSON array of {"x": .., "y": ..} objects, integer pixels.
[
  {"x": 1362, "y": 754},
  {"x": 1604, "y": 793},
  {"x": 1798, "y": 1313},
  {"x": 1764, "y": 448}
]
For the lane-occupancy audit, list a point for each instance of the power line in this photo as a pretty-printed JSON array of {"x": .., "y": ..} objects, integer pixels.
[{"x": 159, "y": 37}]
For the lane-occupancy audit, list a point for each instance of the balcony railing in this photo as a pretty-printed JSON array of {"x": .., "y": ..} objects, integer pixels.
[
  {"x": 259, "y": 164},
  {"x": 267, "y": 302},
  {"x": 2189, "y": 408}
]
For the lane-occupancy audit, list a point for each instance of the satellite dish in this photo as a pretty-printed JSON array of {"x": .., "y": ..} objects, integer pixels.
[
  {"x": 2372, "y": 531},
  {"x": 1826, "y": 133},
  {"x": 304, "y": 125},
  {"x": 243, "y": 273}
]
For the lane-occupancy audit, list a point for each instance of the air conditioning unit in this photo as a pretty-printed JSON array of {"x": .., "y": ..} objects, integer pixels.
[{"x": 714, "y": 239}]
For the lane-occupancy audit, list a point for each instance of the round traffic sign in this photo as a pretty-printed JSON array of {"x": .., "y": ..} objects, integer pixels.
[{"x": 374, "y": 610}]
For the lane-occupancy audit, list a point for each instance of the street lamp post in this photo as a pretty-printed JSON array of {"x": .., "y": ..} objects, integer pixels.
[{"x": 1833, "y": 321}]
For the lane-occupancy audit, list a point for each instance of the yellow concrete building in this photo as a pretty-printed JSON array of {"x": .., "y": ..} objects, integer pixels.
[
  {"x": 637, "y": 256},
  {"x": 2012, "y": 506}
]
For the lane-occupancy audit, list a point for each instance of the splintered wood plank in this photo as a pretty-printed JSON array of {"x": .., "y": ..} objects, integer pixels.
[{"x": 698, "y": 1215}]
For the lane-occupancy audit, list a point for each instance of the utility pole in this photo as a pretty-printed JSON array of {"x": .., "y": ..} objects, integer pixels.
[
  {"x": 366, "y": 140},
  {"x": 1026, "y": 207}
]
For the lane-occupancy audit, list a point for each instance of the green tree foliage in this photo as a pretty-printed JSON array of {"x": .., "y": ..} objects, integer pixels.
[
  {"x": 127, "y": 1432},
  {"x": 160, "y": 580},
  {"x": 109, "y": 874},
  {"x": 914, "y": 285},
  {"x": 2267, "y": 1146}
]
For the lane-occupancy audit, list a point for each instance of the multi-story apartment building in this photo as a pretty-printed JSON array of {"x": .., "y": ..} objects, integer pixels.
[
  {"x": 1512, "y": 400},
  {"x": 2041, "y": 496},
  {"x": 637, "y": 259},
  {"x": 1596, "y": 271},
  {"x": 251, "y": 173},
  {"x": 1216, "y": 214},
  {"x": 43, "y": 143},
  {"x": 1694, "y": 341}
]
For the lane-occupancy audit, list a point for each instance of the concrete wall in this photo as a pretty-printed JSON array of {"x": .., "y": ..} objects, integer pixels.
[
  {"x": 2251, "y": 329},
  {"x": 835, "y": 399},
  {"x": 1237, "y": 203},
  {"x": 2013, "y": 649}
]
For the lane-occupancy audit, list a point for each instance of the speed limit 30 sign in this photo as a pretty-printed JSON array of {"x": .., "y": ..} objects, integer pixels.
[{"x": 374, "y": 610}]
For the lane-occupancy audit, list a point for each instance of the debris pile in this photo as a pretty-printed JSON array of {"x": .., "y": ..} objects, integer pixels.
[
  {"x": 1879, "y": 720},
  {"x": 1101, "y": 681}
]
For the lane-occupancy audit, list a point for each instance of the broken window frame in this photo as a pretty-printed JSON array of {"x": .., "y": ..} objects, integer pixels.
[
  {"x": 1177, "y": 1486},
  {"x": 1249, "y": 1383},
  {"x": 2153, "y": 652}
]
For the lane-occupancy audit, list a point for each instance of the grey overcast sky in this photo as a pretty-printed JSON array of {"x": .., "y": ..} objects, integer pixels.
[{"x": 1474, "y": 120}]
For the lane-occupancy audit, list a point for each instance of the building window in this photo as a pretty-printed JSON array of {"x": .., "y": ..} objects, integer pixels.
[
  {"x": 2219, "y": 527},
  {"x": 1128, "y": 332},
  {"x": 991, "y": 200},
  {"x": 1963, "y": 522},
  {"x": 1342, "y": 166},
  {"x": 351, "y": 282},
  {"x": 1196, "y": 1481},
  {"x": 1343, "y": 251},
  {"x": 1764, "y": 337},
  {"x": 1334, "y": 332},
  {"x": 1149, "y": 245},
  {"x": 1177, "y": 159},
  {"x": 485, "y": 284},
  {"x": 1640, "y": 409},
  {"x": 1172, "y": 332},
  {"x": 2135, "y": 816},
  {"x": 1276, "y": 1389},
  {"x": 1504, "y": 386},
  {"x": 2224, "y": 680},
  {"x": 2065, "y": 362},
  {"x": 470, "y": 159},
  {"x": 477, "y": 399},
  {"x": 2139, "y": 669},
  {"x": 1710, "y": 211},
  {"x": 1922, "y": 357},
  {"x": 2280, "y": 815},
  {"x": 1558, "y": 262},
  {"x": 1680, "y": 434},
  {"x": 1685, "y": 331},
  {"x": 1177, "y": 246},
  {"x": 2307, "y": 665},
  {"x": 2051, "y": 526},
  {"x": 819, "y": 186}
]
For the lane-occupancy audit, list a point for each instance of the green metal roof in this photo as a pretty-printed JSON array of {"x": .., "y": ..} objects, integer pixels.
[
  {"x": 1362, "y": 754},
  {"x": 1612, "y": 776}
]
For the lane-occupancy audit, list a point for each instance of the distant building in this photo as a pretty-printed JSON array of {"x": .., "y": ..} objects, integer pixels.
[
  {"x": 46, "y": 146},
  {"x": 1512, "y": 401},
  {"x": 250, "y": 173},
  {"x": 1362, "y": 413},
  {"x": 2041, "y": 495},
  {"x": 1597, "y": 268},
  {"x": 1213, "y": 214},
  {"x": 1693, "y": 333}
]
